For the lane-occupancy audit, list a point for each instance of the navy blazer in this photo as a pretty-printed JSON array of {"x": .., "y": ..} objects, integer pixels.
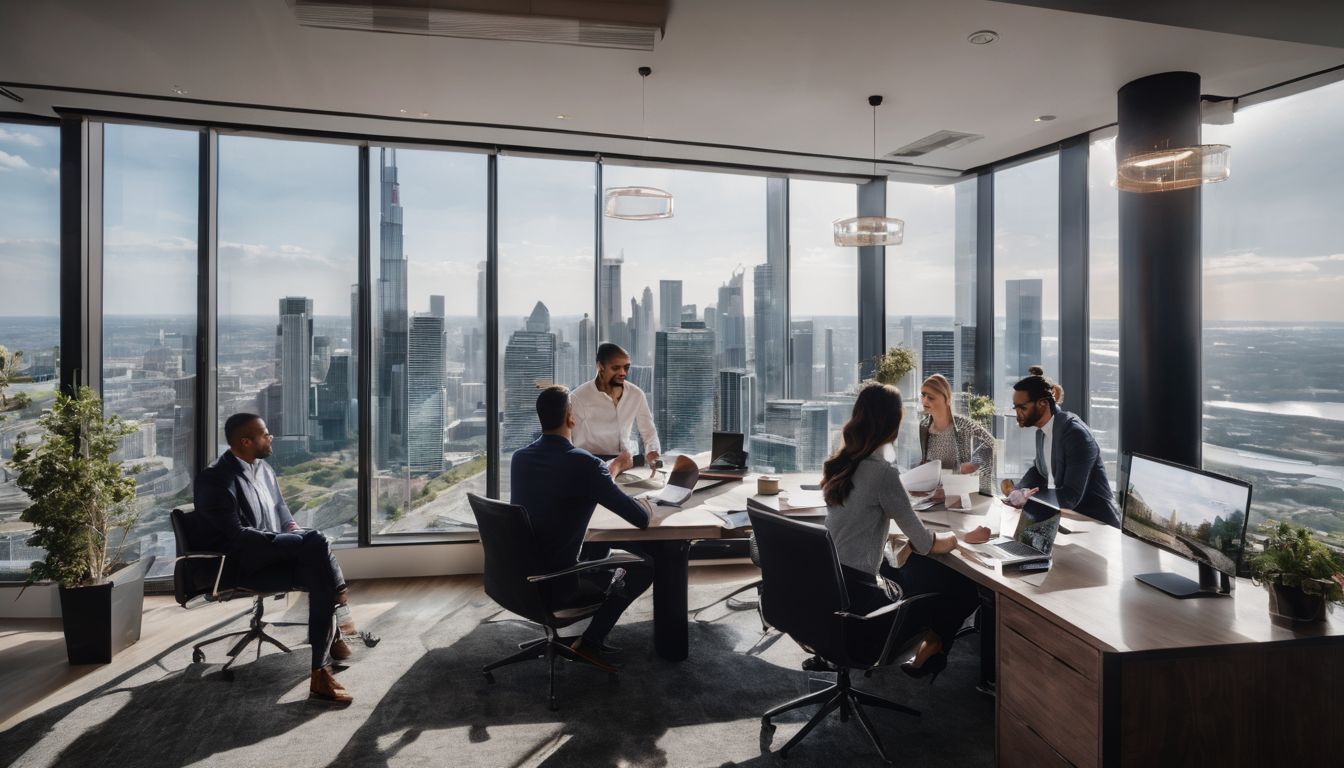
[
  {"x": 1080, "y": 476},
  {"x": 226, "y": 500},
  {"x": 559, "y": 485}
]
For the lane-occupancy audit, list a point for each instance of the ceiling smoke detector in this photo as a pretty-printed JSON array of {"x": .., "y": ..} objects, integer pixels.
[{"x": 982, "y": 37}]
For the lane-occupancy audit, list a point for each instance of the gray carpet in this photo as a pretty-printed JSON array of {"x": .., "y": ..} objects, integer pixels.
[{"x": 420, "y": 700}]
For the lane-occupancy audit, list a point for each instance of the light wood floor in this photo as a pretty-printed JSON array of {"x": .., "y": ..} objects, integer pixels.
[{"x": 34, "y": 673}]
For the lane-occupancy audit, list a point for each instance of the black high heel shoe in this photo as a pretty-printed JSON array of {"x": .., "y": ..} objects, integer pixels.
[{"x": 930, "y": 668}]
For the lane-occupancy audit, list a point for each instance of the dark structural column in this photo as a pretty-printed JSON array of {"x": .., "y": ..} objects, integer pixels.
[
  {"x": 984, "y": 284},
  {"x": 872, "y": 282},
  {"x": 1160, "y": 302},
  {"x": 1073, "y": 273}
]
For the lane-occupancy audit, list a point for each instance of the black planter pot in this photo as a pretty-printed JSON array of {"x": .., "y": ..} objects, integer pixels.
[
  {"x": 1294, "y": 604},
  {"x": 103, "y": 619}
]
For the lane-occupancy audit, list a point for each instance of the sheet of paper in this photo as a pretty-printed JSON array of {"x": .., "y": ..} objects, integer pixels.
[
  {"x": 680, "y": 484},
  {"x": 922, "y": 479},
  {"x": 805, "y": 500}
]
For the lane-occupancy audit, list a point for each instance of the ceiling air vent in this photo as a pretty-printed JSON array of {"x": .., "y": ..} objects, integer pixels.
[
  {"x": 631, "y": 24},
  {"x": 934, "y": 142}
]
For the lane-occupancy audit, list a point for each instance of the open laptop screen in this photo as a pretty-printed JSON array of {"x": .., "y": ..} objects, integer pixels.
[{"x": 1038, "y": 525}]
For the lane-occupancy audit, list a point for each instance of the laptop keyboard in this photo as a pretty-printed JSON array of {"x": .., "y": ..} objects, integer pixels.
[{"x": 1018, "y": 549}]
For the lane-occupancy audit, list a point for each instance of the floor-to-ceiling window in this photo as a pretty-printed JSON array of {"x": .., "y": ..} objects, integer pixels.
[
  {"x": 288, "y": 253},
  {"x": 1026, "y": 293},
  {"x": 428, "y": 249},
  {"x": 150, "y": 204},
  {"x": 547, "y": 242},
  {"x": 1274, "y": 310},
  {"x": 823, "y": 340},
  {"x": 930, "y": 293},
  {"x": 1103, "y": 299},
  {"x": 29, "y": 313},
  {"x": 682, "y": 296}
]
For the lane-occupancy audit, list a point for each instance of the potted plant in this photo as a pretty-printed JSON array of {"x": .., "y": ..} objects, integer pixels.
[
  {"x": 1300, "y": 572},
  {"x": 82, "y": 506},
  {"x": 894, "y": 365},
  {"x": 980, "y": 409}
]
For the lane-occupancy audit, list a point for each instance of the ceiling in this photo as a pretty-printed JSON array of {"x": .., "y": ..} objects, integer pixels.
[{"x": 782, "y": 76}]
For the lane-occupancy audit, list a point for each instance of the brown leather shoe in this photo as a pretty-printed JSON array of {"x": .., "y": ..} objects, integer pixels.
[
  {"x": 324, "y": 687},
  {"x": 340, "y": 650}
]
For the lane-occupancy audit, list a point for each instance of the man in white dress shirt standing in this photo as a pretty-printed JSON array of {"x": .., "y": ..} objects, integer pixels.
[{"x": 606, "y": 407}]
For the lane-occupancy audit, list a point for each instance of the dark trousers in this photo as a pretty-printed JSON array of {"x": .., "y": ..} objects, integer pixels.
[
  {"x": 957, "y": 595},
  {"x": 597, "y": 583},
  {"x": 311, "y": 565}
]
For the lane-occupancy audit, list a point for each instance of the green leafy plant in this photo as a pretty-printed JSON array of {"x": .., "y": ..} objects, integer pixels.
[
  {"x": 80, "y": 497},
  {"x": 1294, "y": 558},
  {"x": 893, "y": 365},
  {"x": 9, "y": 369},
  {"x": 980, "y": 408}
]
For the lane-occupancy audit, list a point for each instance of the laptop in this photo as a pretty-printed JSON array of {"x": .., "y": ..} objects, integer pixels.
[
  {"x": 1037, "y": 527},
  {"x": 726, "y": 455}
]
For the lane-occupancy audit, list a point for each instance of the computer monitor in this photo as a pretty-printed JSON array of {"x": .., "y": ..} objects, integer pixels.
[
  {"x": 1198, "y": 515},
  {"x": 726, "y": 449}
]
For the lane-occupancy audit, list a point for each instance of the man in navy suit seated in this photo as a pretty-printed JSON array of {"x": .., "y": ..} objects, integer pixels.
[
  {"x": 559, "y": 485},
  {"x": 239, "y": 499},
  {"x": 1068, "y": 461}
]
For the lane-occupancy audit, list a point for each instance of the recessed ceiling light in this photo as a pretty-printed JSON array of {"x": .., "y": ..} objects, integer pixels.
[
  {"x": 179, "y": 90},
  {"x": 562, "y": 117},
  {"x": 424, "y": 114},
  {"x": 1045, "y": 118},
  {"x": 982, "y": 37},
  {"x": 402, "y": 110}
]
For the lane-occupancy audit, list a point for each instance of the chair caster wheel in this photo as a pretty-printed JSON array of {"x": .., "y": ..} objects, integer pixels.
[
  {"x": 197, "y": 656},
  {"x": 489, "y": 677}
]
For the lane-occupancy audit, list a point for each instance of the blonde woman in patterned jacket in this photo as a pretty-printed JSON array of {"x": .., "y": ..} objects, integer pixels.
[{"x": 954, "y": 441}]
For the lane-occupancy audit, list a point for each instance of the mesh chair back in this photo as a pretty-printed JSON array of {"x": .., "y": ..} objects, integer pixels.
[
  {"x": 802, "y": 585},
  {"x": 511, "y": 555}
]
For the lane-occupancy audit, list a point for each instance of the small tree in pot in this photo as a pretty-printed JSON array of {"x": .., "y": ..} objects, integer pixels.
[
  {"x": 82, "y": 506},
  {"x": 1301, "y": 573},
  {"x": 893, "y": 365}
]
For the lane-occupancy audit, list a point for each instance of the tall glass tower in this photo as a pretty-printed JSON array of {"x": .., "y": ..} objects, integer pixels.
[
  {"x": 684, "y": 383},
  {"x": 391, "y": 353}
]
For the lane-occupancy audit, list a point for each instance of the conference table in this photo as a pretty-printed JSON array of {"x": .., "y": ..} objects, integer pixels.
[{"x": 1093, "y": 667}]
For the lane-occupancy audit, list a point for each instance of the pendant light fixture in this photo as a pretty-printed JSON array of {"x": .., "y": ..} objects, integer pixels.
[
  {"x": 638, "y": 203},
  {"x": 1167, "y": 169},
  {"x": 870, "y": 230}
]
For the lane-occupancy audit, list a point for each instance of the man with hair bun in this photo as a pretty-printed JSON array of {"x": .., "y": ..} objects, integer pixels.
[{"x": 1068, "y": 461}]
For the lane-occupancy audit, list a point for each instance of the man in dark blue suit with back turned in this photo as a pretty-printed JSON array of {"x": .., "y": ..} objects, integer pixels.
[
  {"x": 559, "y": 485},
  {"x": 1068, "y": 461},
  {"x": 247, "y": 519}
]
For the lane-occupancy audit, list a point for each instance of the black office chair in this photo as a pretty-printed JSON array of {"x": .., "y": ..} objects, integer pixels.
[
  {"x": 804, "y": 597},
  {"x": 511, "y": 557},
  {"x": 754, "y": 552},
  {"x": 201, "y": 577}
]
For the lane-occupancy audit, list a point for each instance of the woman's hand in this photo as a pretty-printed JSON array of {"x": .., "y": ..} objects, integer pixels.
[
  {"x": 978, "y": 536},
  {"x": 969, "y": 469}
]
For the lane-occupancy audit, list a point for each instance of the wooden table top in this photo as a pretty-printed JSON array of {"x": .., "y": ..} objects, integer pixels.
[{"x": 1091, "y": 589}]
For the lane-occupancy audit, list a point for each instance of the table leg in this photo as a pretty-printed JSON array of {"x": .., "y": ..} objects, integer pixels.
[{"x": 671, "y": 562}]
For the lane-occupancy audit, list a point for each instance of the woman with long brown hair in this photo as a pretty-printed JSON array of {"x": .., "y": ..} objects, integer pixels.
[{"x": 863, "y": 493}]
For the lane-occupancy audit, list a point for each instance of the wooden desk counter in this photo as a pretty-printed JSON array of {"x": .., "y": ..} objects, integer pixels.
[{"x": 1096, "y": 668}]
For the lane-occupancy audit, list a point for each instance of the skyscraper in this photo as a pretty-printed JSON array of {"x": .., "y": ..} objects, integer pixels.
[
  {"x": 587, "y": 354},
  {"x": 938, "y": 355},
  {"x": 1022, "y": 333},
  {"x": 732, "y": 329},
  {"x": 830, "y": 372},
  {"x": 669, "y": 304},
  {"x": 737, "y": 400},
  {"x": 683, "y": 387},
  {"x": 390, "y": 382},
  {"x": 353, "y": 368},
  {"x": 800, "y": 347},
  {"x": 609, "y": 294},
  {"x": 965, "y": 357},
  {"x": 425, "y": 396},
  {"x": 768, "y": 338},
  {"x": 529, "y": 364},
  {"x": 647, "y": 328},
  {"x": 294, "y": 364}
]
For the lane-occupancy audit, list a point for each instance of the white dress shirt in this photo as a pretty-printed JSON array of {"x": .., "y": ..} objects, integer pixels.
[
  {"x": 1048, "y": 451},
  {"x": 268, "y": 520},
  {"x": 603, "y": 425}
]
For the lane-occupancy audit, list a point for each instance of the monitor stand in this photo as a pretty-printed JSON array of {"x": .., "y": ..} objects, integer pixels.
[{"x": 1211, "y": 583}]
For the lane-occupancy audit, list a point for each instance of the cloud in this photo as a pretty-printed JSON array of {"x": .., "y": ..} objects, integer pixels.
[
  {"x": 18, "y": 137},
  {"x": 122, "y": 241},
  {"x": 10, "y": 162},
  {"x": 270, "y": 255},
  {"x": 1254, "y": 264}
]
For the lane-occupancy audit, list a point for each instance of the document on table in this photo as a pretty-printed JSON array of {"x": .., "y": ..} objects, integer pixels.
[
  {"x": 680, "y": 484},
  {"x": 922, "y": 479},
  {"x": 804, "y": 500}
]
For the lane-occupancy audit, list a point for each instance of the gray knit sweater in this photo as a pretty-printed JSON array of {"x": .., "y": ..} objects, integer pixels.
[{"x": 859, "y": 527}]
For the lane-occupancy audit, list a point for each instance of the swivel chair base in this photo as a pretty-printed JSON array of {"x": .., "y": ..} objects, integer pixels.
[
  {"x": 844, "y": 696},
  {"x": 548, "y": 648},
  {"x": 256, "y": 631}
]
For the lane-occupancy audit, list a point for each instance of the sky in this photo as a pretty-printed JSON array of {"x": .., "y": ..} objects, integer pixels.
[{"x": 288, "y": 209}]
